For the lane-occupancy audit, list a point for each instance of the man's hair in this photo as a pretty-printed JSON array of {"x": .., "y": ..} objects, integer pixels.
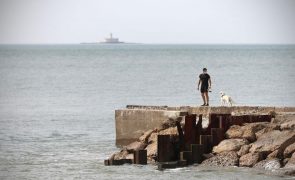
[{"x": 204, "y": 69}]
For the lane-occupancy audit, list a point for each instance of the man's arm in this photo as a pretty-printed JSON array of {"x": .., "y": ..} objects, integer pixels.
[{"x": 199, "y": 83}]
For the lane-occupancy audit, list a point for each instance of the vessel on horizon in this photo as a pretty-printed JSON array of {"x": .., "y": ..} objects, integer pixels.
[{"x": 111, "y": 40}]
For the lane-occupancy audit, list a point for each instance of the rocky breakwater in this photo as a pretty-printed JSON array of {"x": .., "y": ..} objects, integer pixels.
[{"x": 267, "y": 146}]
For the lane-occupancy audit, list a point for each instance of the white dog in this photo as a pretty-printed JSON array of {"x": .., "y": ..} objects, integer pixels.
[{"x": 225, "y": 99}]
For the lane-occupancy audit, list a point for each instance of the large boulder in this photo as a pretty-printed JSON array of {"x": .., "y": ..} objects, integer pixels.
[
  {"x": 274, "y": 140},
  {"x": 247, "y": 131},
  {"x": 268, "y": 164},
  {"x": 223, "y": 159},
  {"x": 229, "y": 145},
  {"x": 289, "y": 151},
  {"x": 248, "y": 160}
]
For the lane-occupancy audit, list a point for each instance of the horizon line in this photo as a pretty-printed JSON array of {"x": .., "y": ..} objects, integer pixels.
[{"x": 132, "y": 43}]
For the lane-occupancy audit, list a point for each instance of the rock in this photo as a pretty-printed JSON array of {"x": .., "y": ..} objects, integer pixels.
[
  {"x": 270, "y": 127},
  {"x": 290, "y": 125},
  {"x": 248, "y": 160},
  {"x": 234, "y": 131},
  {"x": 152, "y": 151},
  {"x": 229, "y": 145},
  {"x": 119, "y": 155},
  {"x": 223, "y": 159},
  {"x": 145, "y": 137},
  {"x": 284, "y": 172},
  {"x": 135, "y": 146},
  {"x": 283, "y": 118},
  {"x": 268, "y": 164},
  {"x": 244, "y": 150},
  {"x": 171, "y": 131},
  {"x": 153, "y": 138},
  {"x": 247, "y": 131},
  {"x": 207, "y": 156},
  {"x": 291, "y": 162},
  {"x": 274, "y": 140},
  {"x": 130, "y": 156},
  {"x": 275, "y": 154},
  {"x": 171, "y": 122},
  {"x": 285, "y": 161},
  {"x": 289, "y": 151}
]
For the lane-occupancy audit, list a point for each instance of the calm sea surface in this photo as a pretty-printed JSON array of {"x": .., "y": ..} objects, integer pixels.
[{"x": 57, "y": 102}]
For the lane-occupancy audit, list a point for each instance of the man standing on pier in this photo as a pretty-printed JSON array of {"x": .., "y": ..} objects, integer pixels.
[{"x": 205, "y": 82}]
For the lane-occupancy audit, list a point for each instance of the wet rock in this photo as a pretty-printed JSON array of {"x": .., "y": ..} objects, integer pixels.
[
  {"x": 268, "y": 164},
  {"x": 291, "y": 162},
  {"x": 223, "y": 159},
  {"x": 248, "y": 160},
  {"x": 145, "y": 137},
  {"x": 135, "y": 146},
  {"x": 289, "y": 151},
  {"x": 229, "y": 145},
  {"x": 274, "y": 140},
  {"x": 244, "y": 150}
]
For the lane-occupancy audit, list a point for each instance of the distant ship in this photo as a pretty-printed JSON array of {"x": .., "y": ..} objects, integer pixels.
[{"x": 111, "y": 40}]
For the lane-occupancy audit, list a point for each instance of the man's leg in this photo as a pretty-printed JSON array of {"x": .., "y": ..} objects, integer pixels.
[
  {"x": 203, "y": 96},
  {"x": 207, "y": 98}
]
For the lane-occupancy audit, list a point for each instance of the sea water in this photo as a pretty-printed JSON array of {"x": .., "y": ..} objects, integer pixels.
[{"x": 57, "y": 102}]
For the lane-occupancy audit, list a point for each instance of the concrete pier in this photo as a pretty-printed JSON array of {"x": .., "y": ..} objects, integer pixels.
[{"x": 133, "y": 121}]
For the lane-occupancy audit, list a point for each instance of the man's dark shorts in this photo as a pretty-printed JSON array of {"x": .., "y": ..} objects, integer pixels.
[{"x": 204, "y": 89}]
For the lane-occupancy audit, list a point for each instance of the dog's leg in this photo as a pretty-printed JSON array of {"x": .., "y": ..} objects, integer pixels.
[{"x": 230, "y": 102}]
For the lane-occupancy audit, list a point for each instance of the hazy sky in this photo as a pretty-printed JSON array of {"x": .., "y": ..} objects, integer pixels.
[{"x": 148, "y": 21}]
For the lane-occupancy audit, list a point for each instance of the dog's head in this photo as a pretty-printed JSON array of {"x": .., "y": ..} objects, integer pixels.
[{"x": 221, "y": 93}]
